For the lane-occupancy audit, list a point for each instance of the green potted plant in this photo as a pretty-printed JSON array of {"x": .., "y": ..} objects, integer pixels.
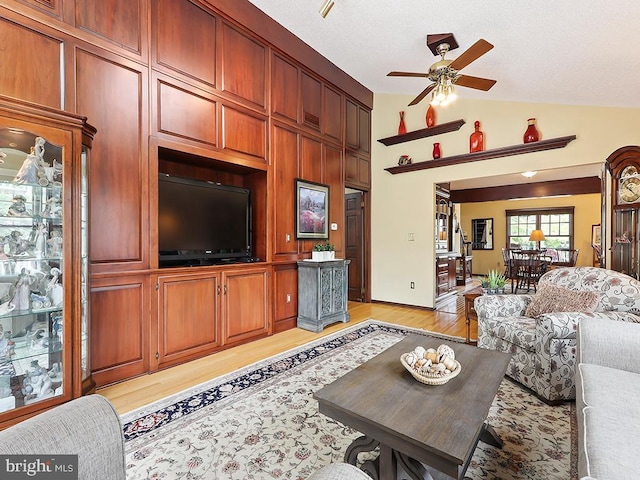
[
  {"x": 496, "y": 281},
  {"x": 323, "y": 251}
]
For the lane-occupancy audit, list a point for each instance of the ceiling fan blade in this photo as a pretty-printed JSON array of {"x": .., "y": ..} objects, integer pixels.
[
  {"x": 407, "y": 74},
  {"x": 474, "y": 52},
  {"x": 423, "y": 94},
  {"x": 475, "y": 82}
]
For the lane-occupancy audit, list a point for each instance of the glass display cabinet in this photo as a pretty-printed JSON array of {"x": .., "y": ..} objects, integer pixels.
[{"x": 44, "y": 264}]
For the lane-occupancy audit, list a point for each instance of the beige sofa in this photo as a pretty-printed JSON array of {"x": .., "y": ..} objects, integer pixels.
[{"x": 608, "y": 399}]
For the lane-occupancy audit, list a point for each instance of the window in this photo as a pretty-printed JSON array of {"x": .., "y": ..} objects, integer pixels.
[{"x": 555, "y": 223}]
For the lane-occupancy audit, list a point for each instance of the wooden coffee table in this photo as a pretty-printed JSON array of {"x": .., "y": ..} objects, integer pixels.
[{"x": 414, "y": 423}]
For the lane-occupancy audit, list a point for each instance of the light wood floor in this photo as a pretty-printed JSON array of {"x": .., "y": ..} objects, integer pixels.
[{"x": 129, "y": 395}]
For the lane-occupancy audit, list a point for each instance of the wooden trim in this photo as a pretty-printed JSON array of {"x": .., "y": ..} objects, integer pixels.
[
  {"x": 423, "y": 133},
  {"x": 571, "y": 186},
  {"x": 542, "y": 145}
]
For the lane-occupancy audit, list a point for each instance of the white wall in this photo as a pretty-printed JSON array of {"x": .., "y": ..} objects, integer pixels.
[{"x": 403, "y": 203}]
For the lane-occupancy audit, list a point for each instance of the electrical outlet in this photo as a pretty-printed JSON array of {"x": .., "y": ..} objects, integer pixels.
[
  {"x": 288, "y": 298},
  {"x": 412, "y": 237},
  {"x": 413, "y": 285}
]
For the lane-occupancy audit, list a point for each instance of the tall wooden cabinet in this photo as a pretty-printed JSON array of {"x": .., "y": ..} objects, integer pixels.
[
  {"x": 44, "y": 263},
  {"x": 624, "y": 165}
]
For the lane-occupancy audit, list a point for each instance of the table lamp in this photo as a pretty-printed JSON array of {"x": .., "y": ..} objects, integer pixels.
[{"x": 536, "y": 236}]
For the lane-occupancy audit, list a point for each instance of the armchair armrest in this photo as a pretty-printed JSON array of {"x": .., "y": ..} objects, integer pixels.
[
  {"x": 610, "y": 343},
  {"x": 87, "y": 426},
  {"x": 565, "y": 324},
  {"x": 490, "y": 306}
]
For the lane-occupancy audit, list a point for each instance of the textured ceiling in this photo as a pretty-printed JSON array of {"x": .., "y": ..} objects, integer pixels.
[{"x": 577, "y": 52}]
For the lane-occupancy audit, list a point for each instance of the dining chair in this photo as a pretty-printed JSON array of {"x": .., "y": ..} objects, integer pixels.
[{"x": 529, "y": 267}]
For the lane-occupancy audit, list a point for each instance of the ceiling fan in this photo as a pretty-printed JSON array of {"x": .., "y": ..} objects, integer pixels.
[{"x": 445, "y": 73}]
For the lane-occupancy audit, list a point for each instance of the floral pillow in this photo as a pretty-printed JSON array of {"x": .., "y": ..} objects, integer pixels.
[{"x": 551, "y": 298}]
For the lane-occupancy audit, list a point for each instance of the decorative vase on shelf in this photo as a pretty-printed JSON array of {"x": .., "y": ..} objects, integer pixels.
[
  {"x": 436, "y": 151},
  {"x": 476, "y": 140},
  {"x": 531, "y": 134},
  {"x": 402, "y": 128},
  {"x": 431, "y": 116}
]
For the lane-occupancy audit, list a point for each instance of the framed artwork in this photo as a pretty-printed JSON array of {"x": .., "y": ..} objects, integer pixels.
[
  {"x": 312, "y": 210},
  {"x": 595, "y": 235}
]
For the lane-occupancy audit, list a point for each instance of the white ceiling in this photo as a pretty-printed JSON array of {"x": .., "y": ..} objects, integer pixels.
[{"x": 577, "y": 52}]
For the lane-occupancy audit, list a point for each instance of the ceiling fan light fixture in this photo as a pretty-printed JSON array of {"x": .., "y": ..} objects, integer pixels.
[
  {"x": 444, "y": 93},
  {"x": 326, "y": 6}
]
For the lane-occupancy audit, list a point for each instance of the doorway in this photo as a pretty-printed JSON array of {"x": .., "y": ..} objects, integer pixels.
[{"x": 355, "y": 244}]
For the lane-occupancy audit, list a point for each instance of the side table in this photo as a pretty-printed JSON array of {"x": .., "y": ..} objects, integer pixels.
[
  {"x": 469, "y": 310},
  {"x": 322, "y": 293}
]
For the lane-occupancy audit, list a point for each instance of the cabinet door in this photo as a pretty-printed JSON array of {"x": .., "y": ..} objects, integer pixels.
[
  {"x": 364, "y": 129},
  {"x": 332, "y": 114},
  {"x": 284, "y": 88},
  {"x": 358, "y": 127},
  {"x": 284, "y": 157},
  {"x": 311, "y": 101},
  {"x": 351, "y": 124},
  {"x": 246, "y": 305},
  {"x": 285, "y": 296},
  {"x": 333, "y": 176},
  {"x": 357, "y": 170},
  {"x": 120, "y": 320},
  {"x": 188, "y": 316},
  {"x": 184, "y": 39},
  {"x": 243, "y": 67},
  {"x": 19, "y": 43}
]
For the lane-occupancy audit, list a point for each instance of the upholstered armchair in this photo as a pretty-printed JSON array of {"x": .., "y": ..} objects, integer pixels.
[{"x": 540, "y": 330}]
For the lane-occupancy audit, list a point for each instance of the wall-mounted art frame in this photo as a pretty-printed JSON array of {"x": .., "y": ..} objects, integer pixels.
[{"x": 312, "y": 210}]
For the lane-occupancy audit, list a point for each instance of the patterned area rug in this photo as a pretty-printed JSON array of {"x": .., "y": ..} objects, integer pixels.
[{"x": 261, "y": 422}]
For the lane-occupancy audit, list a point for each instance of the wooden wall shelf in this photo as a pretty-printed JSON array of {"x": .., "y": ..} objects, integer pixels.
[
  {"x": 423, "y": 133},
  {"x": 542, "y": 145}
]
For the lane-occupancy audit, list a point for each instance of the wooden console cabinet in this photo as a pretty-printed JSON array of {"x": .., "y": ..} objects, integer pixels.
[
  {"x": 322, "y": 293},
  {"x": 200, "y": 312}
]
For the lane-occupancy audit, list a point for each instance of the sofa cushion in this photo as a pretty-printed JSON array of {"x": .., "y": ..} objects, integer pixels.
[
  {"x": 551, "y": 298},
  {"x": 608, "y": 422},
  {"x": 610, "y": 442},
  {"x": 599, "y": 382}
]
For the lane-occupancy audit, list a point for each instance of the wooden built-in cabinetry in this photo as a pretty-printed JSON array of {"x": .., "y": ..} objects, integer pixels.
[
  {"x": 212, "y": 90},
  {"x": 445, "y": 274}
]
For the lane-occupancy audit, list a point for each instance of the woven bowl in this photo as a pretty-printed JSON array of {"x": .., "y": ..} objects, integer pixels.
[{"x": 431, "y": 379}]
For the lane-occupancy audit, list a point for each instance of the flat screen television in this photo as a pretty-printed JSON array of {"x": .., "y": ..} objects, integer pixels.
[{"x": 202, "y": 223}]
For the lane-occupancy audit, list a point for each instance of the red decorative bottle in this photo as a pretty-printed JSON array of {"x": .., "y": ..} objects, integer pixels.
[
  {"x": 476, "y": 140},
  {"x": 436, "y": 151},
  {"x": 402, "y": 128},
  {"x": 431, "y": 116},
  {"x": 531, "y": 134}
]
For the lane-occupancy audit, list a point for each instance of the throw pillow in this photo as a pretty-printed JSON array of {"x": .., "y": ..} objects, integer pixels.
[{"x": 551, "y": 298}]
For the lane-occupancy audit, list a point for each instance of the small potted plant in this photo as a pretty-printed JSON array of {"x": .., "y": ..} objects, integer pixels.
[
  {"x": 496, "y": 281},
  {"x": 323, "y": 251}
]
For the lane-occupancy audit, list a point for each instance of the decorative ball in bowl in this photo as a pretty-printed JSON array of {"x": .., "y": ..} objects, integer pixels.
[{"x": 432, "y": 366}]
